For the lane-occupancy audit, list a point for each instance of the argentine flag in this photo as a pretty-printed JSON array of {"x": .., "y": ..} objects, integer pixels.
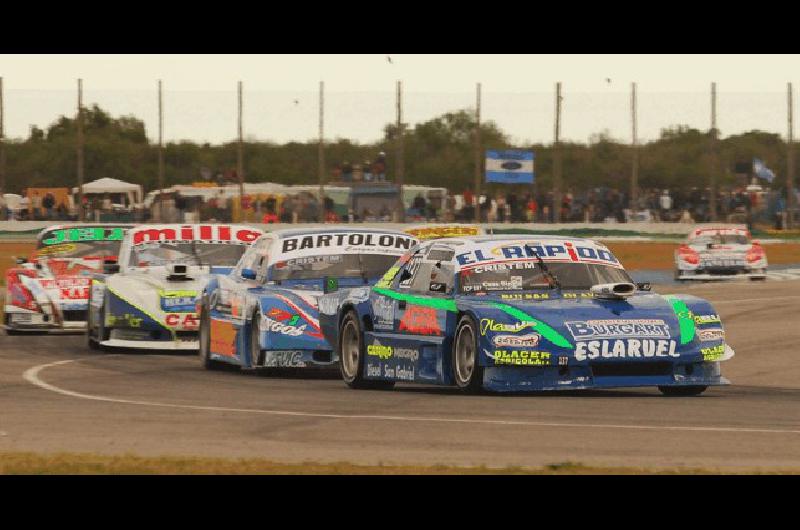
[
  {"x": 509, "y": 167},
  {"x": 762, "y": 171}
]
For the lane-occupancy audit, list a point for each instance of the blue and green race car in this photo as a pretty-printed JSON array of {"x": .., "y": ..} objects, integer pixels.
[{"x": 521, "y": 313}]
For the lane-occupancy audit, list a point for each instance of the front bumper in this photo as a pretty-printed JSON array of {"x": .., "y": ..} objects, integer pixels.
[
  {"x": 177, "y": 345},
  {"x": 604, "y": 375},
  {"x": 18, "y": 319},
  {"x": 721, "y": 275}
]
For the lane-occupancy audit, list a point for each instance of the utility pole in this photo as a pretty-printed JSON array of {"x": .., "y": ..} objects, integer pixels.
[
  {"x": 80, "y": 150},
  {"x": 712, "y": 202},
  {"x": 400, "y": 163},
  {"x": 557, "y": 159},
  {"x": 2, "y": 144},
  {"x": 634, "y": 199},
  {"x": 478, "y": 154},
  {"x": 321, "y": 148},
  {"x": 240, "y": 157},
  {"x": 160, "y": 155},
  {"x": 790, "y": 164}
]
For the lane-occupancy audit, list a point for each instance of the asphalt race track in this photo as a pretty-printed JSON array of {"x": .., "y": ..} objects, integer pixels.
[{"x": 56, "y": 395}]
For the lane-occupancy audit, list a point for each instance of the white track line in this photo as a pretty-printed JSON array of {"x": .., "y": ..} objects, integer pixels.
[{"x": 32, "y": 376}]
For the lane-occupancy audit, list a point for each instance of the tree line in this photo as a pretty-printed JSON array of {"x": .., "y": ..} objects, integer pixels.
[{"x": 438, "y": 152}]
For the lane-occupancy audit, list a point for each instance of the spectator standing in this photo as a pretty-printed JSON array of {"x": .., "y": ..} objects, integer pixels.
[
  {"x": 347, "y": 171},
  {"x": 379, "y": 167},
  {"x": 419, "y": 204},
  {"x": 665, "y": 202},
  {"x": 531, "y": 209},
  {"x": 49, "y": 202}
]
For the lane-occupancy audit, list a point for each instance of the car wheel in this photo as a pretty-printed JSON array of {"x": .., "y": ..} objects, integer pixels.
[
  {"x": 91, "y": 341},
  {"x": 467, "y": 371},
  {"x": 255, "y": 340},
  {"x": 100, "y": 335},
  {"x": 205, "y": 339},
  {"x": 351, "y": 355},
  {"x": 682, "y": 390}
]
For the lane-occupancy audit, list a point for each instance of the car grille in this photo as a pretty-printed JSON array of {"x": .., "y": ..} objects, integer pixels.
[
  {"x": 187, "y": 335},
  {"x": 75, "y": 315},
  {"x": 631, "y": 369}
]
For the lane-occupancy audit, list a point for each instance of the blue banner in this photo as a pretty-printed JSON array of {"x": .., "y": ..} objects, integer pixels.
[{"x": 511, "y": 166}]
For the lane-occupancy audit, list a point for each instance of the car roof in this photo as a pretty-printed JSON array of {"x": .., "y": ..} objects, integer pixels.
[
  {"x": 43, "y": 231},
  {"x": 477, "y": 240},
  {"x": 334, "y": 229}
]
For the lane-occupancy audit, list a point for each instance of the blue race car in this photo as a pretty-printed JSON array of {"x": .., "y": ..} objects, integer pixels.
[
  {"x": 264, "y": 313},
  {"x": 521, "y": 313}
]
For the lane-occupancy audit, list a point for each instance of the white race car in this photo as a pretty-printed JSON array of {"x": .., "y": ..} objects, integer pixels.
[
  {"x": 150, "y": 302},
  {"x": 719, "y": 252}
]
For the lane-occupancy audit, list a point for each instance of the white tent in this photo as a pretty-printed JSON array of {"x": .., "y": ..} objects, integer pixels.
[{"x": 110, "y": 185}]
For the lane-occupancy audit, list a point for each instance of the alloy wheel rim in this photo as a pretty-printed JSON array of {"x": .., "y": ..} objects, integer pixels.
[
  {"x": 350, "y": 350},
  {"x": 465, "y": 354}
]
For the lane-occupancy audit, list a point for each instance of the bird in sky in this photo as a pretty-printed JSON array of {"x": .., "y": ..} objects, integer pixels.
[
  {"x": 608, "y": 80},
  {"x": 296, "y": 102},
  {"x": 389, "y": 58}
]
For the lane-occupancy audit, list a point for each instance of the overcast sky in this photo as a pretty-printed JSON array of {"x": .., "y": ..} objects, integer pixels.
[{"x": 281, "y": 98}]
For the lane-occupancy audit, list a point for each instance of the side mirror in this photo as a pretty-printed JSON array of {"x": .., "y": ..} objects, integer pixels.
[
  {"x": 643, "y": 286},
  {"x": 405, "y": 275},
  {"x": 248, "y": 274},
  {"x": 110, "y": 268},
  {"x": 330, "y": 284},
  {"x": 21, "y": 261}
]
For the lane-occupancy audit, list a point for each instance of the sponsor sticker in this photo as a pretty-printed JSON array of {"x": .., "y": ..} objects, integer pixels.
[
  {"x": 520, "y": 357},
  {"x": 223, "y": 338},
  {"x": 420, "y": 320},
  {"x": 284, "y": 359},
  {"x": 383, "y": 310},
  {"x": 488, "y": 324},
  {"x": 625, "y": 348},
  {"x": 347, "y": 239},
  {"x": 706, "y": 319},
  {"x": 516, "y": 341},
  {"x": 380, "y": 351},
  {"x": 713, "y": 353},
  {"x": 706, "y": 335},
  {"x": 609, "y": 329}
]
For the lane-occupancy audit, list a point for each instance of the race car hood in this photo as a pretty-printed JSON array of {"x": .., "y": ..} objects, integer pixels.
[
  {"x": 156, "y": 296},
  {"x": 563, "y": 322}
]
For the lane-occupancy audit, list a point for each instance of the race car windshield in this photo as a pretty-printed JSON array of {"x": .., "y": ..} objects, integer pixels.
[
  {"x": 81, "y": 249},
  {"x": 721, "y": 239},
  {"x": 528, "y": 275},
  {"x": 334, "y": 265},
  {"x": 189, "y": 253}
]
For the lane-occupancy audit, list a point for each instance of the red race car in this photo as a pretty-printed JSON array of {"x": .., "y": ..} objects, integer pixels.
[{"x": 50, "y": 292}]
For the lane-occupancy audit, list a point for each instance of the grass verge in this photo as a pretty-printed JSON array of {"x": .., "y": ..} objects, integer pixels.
[{"x": 28, "y": 463}]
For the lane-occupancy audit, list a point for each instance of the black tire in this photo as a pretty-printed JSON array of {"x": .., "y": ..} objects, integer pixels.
[
  {"x": 352, "y": 358},
  {"x": 255, "y": 346},
  {"x": 677, "y": 391},
  {"x": 465, "y": 357},
  {"x": 204, "y": 336},
  {"x": 91, "y": 342},
  {"x": 100, "y": 335}
]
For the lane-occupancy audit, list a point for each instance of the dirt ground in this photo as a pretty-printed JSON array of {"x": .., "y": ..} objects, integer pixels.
[
  {"x": 634, "y": 255},
  {"x": 637, "y": 255}
]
